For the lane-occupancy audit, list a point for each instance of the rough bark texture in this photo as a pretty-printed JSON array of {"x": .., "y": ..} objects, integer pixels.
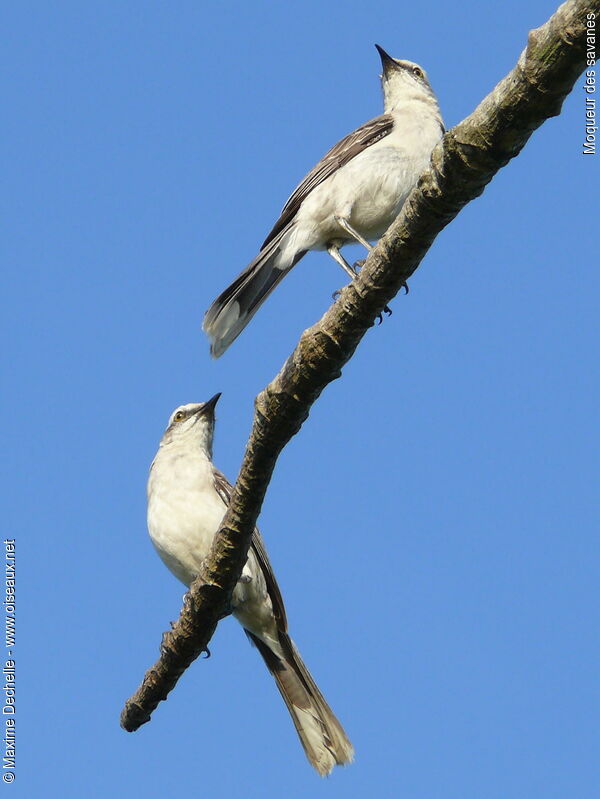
[{"x": 462, "y": 165}]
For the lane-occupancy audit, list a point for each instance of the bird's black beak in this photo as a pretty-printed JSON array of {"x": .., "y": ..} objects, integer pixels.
[
  {"x": 209, "y": 407},
  {"x": 387, "y": 62}
]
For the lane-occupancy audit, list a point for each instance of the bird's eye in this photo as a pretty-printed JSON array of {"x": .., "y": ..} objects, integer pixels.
[
  {"x": 179, "y": 416},
  {"x": 417, "y": 72}
]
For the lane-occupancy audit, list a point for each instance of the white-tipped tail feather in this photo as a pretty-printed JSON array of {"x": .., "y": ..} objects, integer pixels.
[
  {"x": 321, "y": 734},
  {"x": 234, "y": 308}
]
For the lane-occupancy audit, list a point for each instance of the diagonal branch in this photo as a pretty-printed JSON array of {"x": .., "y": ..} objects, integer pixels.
[{"x": 462, "y": 165}]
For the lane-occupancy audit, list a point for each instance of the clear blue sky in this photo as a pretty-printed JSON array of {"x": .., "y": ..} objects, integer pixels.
[{"x": 433, "y": 526}]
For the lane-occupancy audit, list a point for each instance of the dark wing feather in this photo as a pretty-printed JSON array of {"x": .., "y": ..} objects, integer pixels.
[
  {"x": 344, "y": 151},
  {"x": 224, "y": 489}
]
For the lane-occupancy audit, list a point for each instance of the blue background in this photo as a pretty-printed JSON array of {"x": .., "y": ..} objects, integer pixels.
[{"x": 432, "y": 526}]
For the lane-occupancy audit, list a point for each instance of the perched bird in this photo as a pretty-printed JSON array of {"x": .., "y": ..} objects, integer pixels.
[
  {"x": 187, "y": 499},
  {"x": 353, "y": 194}
]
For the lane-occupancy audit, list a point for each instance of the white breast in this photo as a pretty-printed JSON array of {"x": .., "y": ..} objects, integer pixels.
[
  {"x": 184, "y": 511},
  {"x": 370, "y": 189}
]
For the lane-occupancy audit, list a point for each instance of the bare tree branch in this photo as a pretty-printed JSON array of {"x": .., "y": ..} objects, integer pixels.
[{"x": 462, "y": 165}]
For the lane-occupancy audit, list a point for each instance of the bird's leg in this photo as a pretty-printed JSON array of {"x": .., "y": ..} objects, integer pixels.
[
  {"x": 334, "y": 250},
  {"x": 354, "y": 234}
]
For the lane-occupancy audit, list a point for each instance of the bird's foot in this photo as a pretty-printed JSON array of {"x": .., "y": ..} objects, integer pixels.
[
  {"x": 387, "y": 310},
  {"x": 354, "y": 268}
]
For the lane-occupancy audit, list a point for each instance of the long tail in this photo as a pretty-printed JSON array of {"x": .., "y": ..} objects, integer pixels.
[
  {"x": 322, "y": 736},
  {"x": 234, "y": 308}
]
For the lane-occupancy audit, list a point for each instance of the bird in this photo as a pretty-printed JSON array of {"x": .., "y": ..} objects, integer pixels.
[
  {"x": 353, "y": 194},
  {"x": 187, "y": 499}
]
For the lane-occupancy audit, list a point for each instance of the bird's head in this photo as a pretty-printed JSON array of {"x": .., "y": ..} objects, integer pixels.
[
  {"x": 192, "y": 423},
  {"x": 403, "y": 82}
]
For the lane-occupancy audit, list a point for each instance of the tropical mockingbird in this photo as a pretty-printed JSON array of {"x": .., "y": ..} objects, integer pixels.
[
  {"x": 353, "y": 194},
  {"x": 187, "y": 499}
]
